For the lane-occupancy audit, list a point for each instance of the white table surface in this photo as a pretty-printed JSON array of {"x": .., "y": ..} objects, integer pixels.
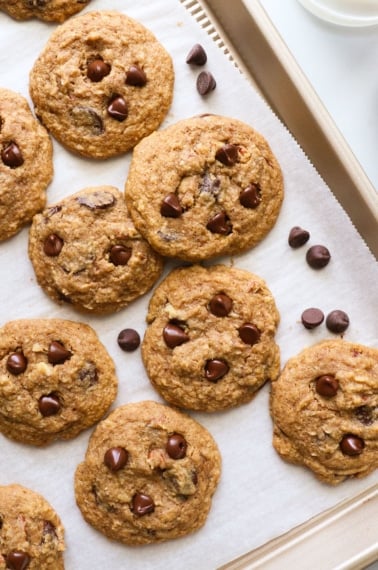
[{"x": 342, "y": 65}]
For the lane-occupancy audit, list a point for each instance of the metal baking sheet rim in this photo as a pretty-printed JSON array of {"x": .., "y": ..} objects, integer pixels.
[{"x": 351, "y": 523}]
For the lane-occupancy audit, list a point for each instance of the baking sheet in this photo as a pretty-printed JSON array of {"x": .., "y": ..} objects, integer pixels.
[{"x": 259, "y": 496}]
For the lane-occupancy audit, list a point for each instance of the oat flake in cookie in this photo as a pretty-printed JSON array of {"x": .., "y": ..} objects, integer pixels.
[
  {"x": 149, "y": 474},
  {"x": 56, "y": 379},
  {"x": 102, "y": 83},
  {"x": 86, "y": 252},
  {"x": 26, "y": 166},
  {"x": 47, "y": 10},
  {"x": 209, "y": 344},
  {"x": 203, "y": 187},
  {"x": 31, "y": 534},
  {"x": 324, "y": 407}
]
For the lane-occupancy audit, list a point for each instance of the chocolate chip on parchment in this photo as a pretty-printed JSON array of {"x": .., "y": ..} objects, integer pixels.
[
  {"x": 205, "y": 83},
  {"x": 298, "y": 237},
  {"x": 128, "y": 340},
  {"x": 337, "y": 321},
  {"x": 197, "y": 55},
  {"x": 318, "y": 256},
  {"x": 312, "y": 318}
]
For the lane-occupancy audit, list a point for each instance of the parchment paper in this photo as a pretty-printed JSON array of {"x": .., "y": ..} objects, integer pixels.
[{"x": 259, "y": 496}]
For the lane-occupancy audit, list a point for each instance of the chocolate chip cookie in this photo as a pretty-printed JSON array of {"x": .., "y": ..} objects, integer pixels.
[
  {"x": 47, "y": 10},
  {"x": 26, "y": 166},
  {"x": 209, "y": 344},
  {"x": 203, "y": 187},
  {"x": 324, "y": 407},
  {"x": 31, "y": 533},
  {"x": 102, "y": 83},
  {"x": 149, "y": 474},
  {"x": 56, "y": 379},
  {"x": 86, "y": 251}
]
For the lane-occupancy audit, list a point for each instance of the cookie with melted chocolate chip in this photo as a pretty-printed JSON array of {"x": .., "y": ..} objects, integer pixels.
[
  {"x": 102, "y": 83},
  {"x": 56, "y": 379},
  {"x": 46, "y": 10},
  {"x": 149, "y": 474},
  {"x": 203, "y": 187},
  {"x": 86, "y": 252},
  {"x": 210, "y": 341},
  {"x": 324, "y": 407}
]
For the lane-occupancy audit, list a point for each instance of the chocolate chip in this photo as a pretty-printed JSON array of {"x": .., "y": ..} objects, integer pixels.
[
  {"x": 352, "y": 445},
  {"x": 327, "y": 385},
  {"x": 136, "y": 76},
  {"x": 250, "y": 197},
  {"x": 97, "y": 200},
  {"x": 228, "y": 154},
  {"x": 49, "y": 405},
  {"x": 337, "y": 321},
  {"x": 210, "y": 185},
  {"x": 298, "y": 237},
  {"x": 115, "y": 458},
  {"x": 52, "y": 246},
  {"x": 197, "y": 55},
  {"x": 57, "y": 353},
  {"x": 88, "y": 375},
  {"x": 97, "y": 70},
  {"x": 119, "y": 254},
  {"x": 142, "y": 504},
  {"x": 220, "y": 305},
  {"x": 205, "y": 83},
  {"x": 17, "y": 560},
  {"x": 219, "y": 224},
  {"x": 88, "y": 119},
  {"x": 128, "y": 340},
  {"x": 318, "y": 256},
  {"x": 174, "y": 335},
  {"x": 364, "y": 414},
  {"x": 176, "y": 446},
  {"x": 16, "y": 363},
  {"x": 11, "y": 155},
  {"x": 170, "y": 206},
  {"x": 312, "y": 318},
  {"x": 249, "y": 333},
  {"x": 118, "y": 108},
  {"x": 215, "y": 369}
]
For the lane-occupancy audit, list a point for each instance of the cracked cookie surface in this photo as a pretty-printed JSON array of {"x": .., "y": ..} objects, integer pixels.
[
  {"x": 324, "y": 407},
  {"x": 149, "y": 474},
  {"x": 46, "y": 10}
]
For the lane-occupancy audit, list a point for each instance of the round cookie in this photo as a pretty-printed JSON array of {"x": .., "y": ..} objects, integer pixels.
[
  {"x": 324, "y": 407},
  {"x": 56, "y": 379},
  {"x": 31, "y": 534},
  {"x": 209, "y": 344},
  {"x": 149, "y": 474},
  {"x": 86, "y": 251},
  {"x": 102, "y": 83},
  {"x": 212, "y": 187},
  {"x": 26, "y": 166},
  {"x": 46, "y": 10}
]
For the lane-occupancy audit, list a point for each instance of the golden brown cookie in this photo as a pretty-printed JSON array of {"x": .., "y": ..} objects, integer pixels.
[
  {"x": 203, "y": 187},
  {"x": 26, "y": 166},
  {"x": 209, "y": 344},
  {"x": 31, "y": 535},
  {"x": 86, "y": 251},
  {"x": 56, "y": 379},
  {"x": 47, "y": 10},
  {"x": 102, "y": 83},
  {"x": 324, "y": 407},
  {"x": 149, "y": 474}
]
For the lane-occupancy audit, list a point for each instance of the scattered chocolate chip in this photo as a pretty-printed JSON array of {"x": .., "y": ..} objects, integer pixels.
[
  {"x": 88, "y": 119},
  {"x": 97, "y": 69},
  {"x": 118, "y": 108},
  {"x": 88, "y": 375},
  {"x": 119, "y": 254},
  {"x": 142, "y": 504},
  {"x": 136, "y": 76},
  {"x": 312, "y": 318},
  {"x": 11, "y": 155},
  {"x": 174, "y": 335},
  {"x": 49, "y": 405},
  {"x": 176, "y": 446},
  {"x": 249, "y": 333},
  {"x": 364, "y": 414},
  {"x": 219, "y": 224},
  {"x": 205, "y": 83},
  {"x": 298, "y": 237},
  {"x": 16, "y": 363},
  {"x": 250, "y": 197},
  {"x": 220, "y": 305},
  {"x": 197, "y": 55},
  {"x": 17, "y": 560},
  {"x": 337, "y": 321},
  {"x": 52, "y": 246},
  {"x": 327, "y": 385},
  {"x": 215, "y": 369},
  {"x": 170, "y": 206},
  {"x": 97, "y": 200},
  {"x": 352, "y": 445},
  {"x": 115, "y": 458},
  {"x": 228, "y": 154},
  {"x": 128, "y": 340},
  {"x": 318, "y": 256},
  {"x": 57, "y": 353},
  {"x": 210, "y": 185}
]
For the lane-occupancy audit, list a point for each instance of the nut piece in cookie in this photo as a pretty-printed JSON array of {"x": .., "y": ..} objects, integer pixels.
[
  {"x": 86, "y": 251},
  {"x": 149, "y": 474},
  {"x": 209, "y": 344},
  {"x": 324, "y": 406},
  {"x": 56, "y": 379},
  {"x": 46, "y": 10},
  {"x": 102, "y": 83}
]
